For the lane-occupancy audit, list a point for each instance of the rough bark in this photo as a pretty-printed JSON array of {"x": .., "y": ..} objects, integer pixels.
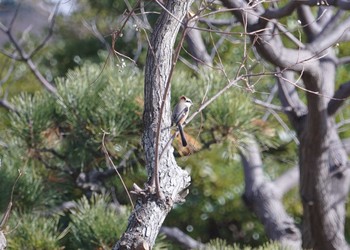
[{"x": 150, "y": 211}]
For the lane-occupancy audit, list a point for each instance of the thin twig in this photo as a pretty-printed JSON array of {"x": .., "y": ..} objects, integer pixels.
[
  {"x": 49, "y": 34},
  {"x": 6, "y": 215},
  {"x": 213, "y": 98},
  {"x": 115, "y": 168}
]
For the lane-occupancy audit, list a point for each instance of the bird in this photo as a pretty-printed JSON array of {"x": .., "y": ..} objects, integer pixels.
[{"x": 180, "y": 113}]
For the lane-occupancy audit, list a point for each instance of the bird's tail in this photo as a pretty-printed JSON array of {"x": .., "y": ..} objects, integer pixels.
[{"x": 183, "y": 138}]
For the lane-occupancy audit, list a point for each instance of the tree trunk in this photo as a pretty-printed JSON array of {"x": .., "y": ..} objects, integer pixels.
[
  {"x": 321, "y": 155},
  {"x": 150, "y": 211}
]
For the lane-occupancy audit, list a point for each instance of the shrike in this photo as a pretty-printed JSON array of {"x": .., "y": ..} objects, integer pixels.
[{"x": 180, "y": 114}]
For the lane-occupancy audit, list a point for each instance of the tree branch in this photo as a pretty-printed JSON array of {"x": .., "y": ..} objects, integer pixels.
[
  {"x": 23, "y": 56},
  {"x": 289, "y": 98},
  {"x": 181, "y": 238},
  {"x": 308, "y": 22},
  {"x": 287, "y": 180},
  {"x": 196, "y": 44},
  {"x": 265, "y": 199},
  {"x": 339, "y": 98},
  {"x": 50, "y": 32},
  {"x": 4, "y": 103},
  {"x": 328, "y": 37}
]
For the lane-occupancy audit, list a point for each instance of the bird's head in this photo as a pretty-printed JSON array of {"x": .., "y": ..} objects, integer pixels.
[{"x": 186, "y": 100}]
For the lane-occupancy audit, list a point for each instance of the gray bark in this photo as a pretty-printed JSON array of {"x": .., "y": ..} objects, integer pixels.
[{"x": 150, "y": 211}]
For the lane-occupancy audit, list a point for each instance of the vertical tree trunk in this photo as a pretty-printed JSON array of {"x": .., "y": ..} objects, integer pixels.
[
  {"x": 150, "y": 211},
  {"x": 322, "y": 193}
]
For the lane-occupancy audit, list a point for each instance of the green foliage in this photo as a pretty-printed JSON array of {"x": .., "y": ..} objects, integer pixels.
[
  {"x": 29, "y": 190},
  {"x": 67, "y": 132},
  {"x": 96, "y": 224},
  {"x": 51, "y": 140},
  {"x": 216, "y": 190},
  {"x": 34, "y": 231},
  {"x": 54, "y": 139}
]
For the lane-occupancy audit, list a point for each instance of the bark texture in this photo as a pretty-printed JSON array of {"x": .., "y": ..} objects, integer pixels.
[{"x": 150, "y": 211}]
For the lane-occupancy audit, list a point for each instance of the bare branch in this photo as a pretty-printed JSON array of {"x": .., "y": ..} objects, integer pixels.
[
  {"x": 4, "y": 103},
  {"x": 343, "y": 60},
  {"x": 196, "y": 44},
  {"x": 290, "y": 36},
  {"x": 40, "y": 77},
  {"x": 325, "y": 40},
  {"x": 308, "y": 22},
  {"x": 213, "y": 98},
  {"x": 339, "y": 98},
  {"x": 181, "y": 238},
  {"x": 342, "y": 4},
  {"x": 92, "y": 27},
  {"x": 287, "y": 180},
  {"x": 272, "y": 106},
  {"x": 290, "y": 99},
  {"x": 265, "y": 199},
  {"x": 218, "y": 22},
  {"x": 50, "y": 32},
  {"x": 109, "y": 163},
  {"x": 13, "y": 56},
  {"x": 23, "y": 56},
  {"x": 324, "y": 15},
  {"x": 286, "y": 10},
  {"x": 242, "y": 11}
]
